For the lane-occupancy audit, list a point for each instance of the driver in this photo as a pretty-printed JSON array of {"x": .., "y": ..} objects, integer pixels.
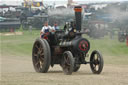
[{"x": 70, "y": 29}]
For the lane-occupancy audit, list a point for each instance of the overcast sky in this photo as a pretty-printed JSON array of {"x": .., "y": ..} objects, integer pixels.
[{"x": 10, "y": 2}]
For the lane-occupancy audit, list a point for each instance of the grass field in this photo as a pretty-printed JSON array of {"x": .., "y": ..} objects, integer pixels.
[
  {"x": 17, "y": 69},
  {"x": 113, "y": 51}
]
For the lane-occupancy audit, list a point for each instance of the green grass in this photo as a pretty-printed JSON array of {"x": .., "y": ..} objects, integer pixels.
[
  {"x": 113, "y": 51},
  {"x": 109, "y": 47},
  {"x": 18, "y": 44}
]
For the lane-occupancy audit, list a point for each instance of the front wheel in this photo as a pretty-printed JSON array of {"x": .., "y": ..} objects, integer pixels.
[
  {"x": 67, "y": 63},
  {"x": 96, "y": 62}
]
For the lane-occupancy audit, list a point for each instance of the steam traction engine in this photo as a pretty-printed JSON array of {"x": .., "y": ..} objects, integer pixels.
[{"x": 69, "y": 50}]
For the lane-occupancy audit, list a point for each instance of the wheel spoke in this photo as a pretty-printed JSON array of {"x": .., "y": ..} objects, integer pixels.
[
  {"x": 67, "y": 61},
  {"x": 42, "y": 54},
  {"x": 65, "y": 57},
  {"x": 36, "y": 64},
  {"x": 35, "y": 54},
  {"x": 94, "y": 67},
  {"x": 36, "y": 46},
  {"x": 98, "y": 60},
  {"x": 40, "y": 50},
  {"x": 67, "y": 64},
  {"x": 42, "y": 59},
  {"x": 39, "y": 65}
]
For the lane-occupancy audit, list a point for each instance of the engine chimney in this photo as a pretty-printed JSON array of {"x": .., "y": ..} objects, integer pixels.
[{"x": 78, "y": 11}]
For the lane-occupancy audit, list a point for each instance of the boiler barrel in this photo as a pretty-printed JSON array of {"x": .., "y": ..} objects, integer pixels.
[{"x": 65, "y": 44}]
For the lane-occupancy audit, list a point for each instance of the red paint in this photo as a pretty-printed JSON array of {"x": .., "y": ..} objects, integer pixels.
[
  {"x": 78, "y": 9},
  {"x": 83, "y": 44}
]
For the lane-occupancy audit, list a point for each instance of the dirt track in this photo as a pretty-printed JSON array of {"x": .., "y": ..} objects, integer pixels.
[{"x": 19, "y": 71}]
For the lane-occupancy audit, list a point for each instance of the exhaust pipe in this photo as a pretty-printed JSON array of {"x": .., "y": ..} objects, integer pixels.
[{"x": 78, "y": 11}]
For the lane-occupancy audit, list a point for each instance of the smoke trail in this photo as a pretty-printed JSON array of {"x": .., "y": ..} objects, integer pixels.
[
  {"x": 60, "y": 15},
  {"x": 61, "y": 12}
]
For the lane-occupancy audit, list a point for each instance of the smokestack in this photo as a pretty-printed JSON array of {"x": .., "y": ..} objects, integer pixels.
[{"x": 78, "y": 11}]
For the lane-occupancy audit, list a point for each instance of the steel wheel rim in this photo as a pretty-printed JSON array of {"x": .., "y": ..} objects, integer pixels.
[{"x": 38, "y": 56}]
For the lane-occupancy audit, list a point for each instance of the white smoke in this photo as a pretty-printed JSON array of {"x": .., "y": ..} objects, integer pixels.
[{"x": 61, "y": 12}]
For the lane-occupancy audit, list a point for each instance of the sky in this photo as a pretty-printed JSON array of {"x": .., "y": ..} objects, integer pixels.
[{"x": 18, "y": 2}]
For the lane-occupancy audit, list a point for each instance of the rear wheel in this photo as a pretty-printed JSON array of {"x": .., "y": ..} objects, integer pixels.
[
  {"x": 96, "y": 62},
  {"x": 67, "y": 63},
  {"x": 41, "y": 55}
]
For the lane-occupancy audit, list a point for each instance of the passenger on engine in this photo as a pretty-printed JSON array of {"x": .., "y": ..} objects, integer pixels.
[
  {"x": 55, "y": 27},
  {"x": 46, "y": 29}
]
